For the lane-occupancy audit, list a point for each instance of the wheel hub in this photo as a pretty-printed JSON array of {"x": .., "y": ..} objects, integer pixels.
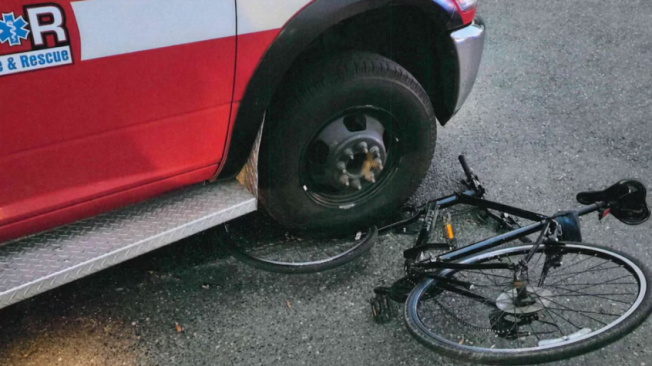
[
  {"x": 507, "y": 301},
  {"x": 356, "y": 151}
]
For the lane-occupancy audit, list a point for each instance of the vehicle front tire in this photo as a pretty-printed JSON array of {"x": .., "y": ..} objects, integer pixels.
[{"x": 348, "y": 141}]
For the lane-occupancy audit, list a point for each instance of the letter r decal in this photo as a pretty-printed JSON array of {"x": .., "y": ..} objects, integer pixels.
[{"x": 55, "y": 26}]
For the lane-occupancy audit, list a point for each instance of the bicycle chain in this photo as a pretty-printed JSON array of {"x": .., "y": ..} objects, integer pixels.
[{"x": 500, "y": 332}]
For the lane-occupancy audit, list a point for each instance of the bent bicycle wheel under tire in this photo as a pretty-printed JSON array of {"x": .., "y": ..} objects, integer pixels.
[
  {"x": 461, "y": 336},
  {"x": 347, "y": 142},
  {"x": 298, "y": 253}
]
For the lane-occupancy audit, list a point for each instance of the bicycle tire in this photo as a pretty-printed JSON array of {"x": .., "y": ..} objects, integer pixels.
[
  {"x": 360, "y": 247},
  {"x": 575, "y": 348}
]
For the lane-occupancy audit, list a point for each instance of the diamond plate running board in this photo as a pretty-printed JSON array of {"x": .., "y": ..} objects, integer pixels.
[{"x": 35, "y": 264}]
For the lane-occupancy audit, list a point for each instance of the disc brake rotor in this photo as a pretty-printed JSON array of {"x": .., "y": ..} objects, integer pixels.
[{"x": 507, "y": 301}]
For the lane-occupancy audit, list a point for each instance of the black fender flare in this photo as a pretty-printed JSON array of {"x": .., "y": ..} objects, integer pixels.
[{"x": 293, "y": 39}]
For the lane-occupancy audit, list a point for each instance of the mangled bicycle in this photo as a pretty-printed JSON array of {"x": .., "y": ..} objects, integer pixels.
[{"x": 539, "y": 301}]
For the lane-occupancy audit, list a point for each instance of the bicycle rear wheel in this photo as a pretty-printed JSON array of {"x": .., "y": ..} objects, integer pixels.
[{"x": 593, "y": 297}]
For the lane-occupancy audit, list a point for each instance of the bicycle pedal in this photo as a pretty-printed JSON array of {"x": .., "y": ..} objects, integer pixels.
[
  {"x": 382, "y": 290},
  {"x": 381, "y": 308}
]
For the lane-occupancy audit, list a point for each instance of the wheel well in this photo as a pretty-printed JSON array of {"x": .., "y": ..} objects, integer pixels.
[
  {"x": 403, "y": 34},
  {"x": 413, "y": 34}
]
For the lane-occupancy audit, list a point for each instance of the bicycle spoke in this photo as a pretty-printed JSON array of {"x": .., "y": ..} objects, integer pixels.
[
  {"x": 538, "y": 259},
  {"x": 533, "y": 332},
  {"x": 573, "y": 304},
  {"x": 576, "y": 311},
  {"x": 577, "y": 293},
  {"x": 489, "y": 278},
  {"x": 570, "y": 309},
  {"x": 587, "y": 271},
  {"x": 586, "y": 311},
  {"x": 578, "y": 273},
  {"x": 591, "y": 285},
  {"x": 566, "y": 320},
  {"x": 576, "y": 263},
  {"x": 548, "y": 311},
  {"x": 596, "y": 296},
  {"x": 601, "y": 284}
]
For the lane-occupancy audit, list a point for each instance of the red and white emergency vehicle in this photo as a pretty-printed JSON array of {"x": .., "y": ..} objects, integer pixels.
[{"x": 123, "y": 123}]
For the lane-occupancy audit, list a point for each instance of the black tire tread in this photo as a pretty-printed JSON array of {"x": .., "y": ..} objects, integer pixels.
[
  {"x": 307, "y": 82},
  {"x": 313, "y": 79}
]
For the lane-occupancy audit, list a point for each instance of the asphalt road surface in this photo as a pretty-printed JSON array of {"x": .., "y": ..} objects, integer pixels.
[{"x": 562, "y": 104}]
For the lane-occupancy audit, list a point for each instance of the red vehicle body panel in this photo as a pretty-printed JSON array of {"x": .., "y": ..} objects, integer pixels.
[
  {"x": 110, "y": 131},
  {"x": 102, "y": 204}
]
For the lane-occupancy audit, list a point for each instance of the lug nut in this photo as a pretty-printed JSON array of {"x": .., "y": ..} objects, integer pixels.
[
  {"x": 356, "y": 184},
  {"x": 375, "y": 151},
  {"x": 341, "y": 166},
  {"x": 378, "y": 163},
  {"x": 363, "y": 147},
  {"x": 372, "y": 177},
  {"x": 344, "y": 179},
  {"x": 349, "y": 153}
]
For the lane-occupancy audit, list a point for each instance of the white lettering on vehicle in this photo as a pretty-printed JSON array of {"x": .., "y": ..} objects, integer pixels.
[
  {"x": 45, "y": 26},
  {"x": 35, "y": 60},
  {"x": 55, "y": 26}
]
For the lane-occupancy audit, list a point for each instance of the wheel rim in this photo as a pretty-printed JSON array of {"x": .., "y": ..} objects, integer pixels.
[
  {"x": 351, "y": 157},
  {"x": 415, "y": 306}
]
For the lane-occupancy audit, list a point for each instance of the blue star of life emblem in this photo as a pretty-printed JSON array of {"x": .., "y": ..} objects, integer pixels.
[{"x": 12, "y": 29}]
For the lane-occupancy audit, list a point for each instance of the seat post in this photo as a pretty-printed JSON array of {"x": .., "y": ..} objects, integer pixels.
[{"x": 590, "y": 208}]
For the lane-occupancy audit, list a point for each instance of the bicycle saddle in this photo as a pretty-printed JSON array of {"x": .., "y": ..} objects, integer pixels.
[{"x": 626, "y": 199}]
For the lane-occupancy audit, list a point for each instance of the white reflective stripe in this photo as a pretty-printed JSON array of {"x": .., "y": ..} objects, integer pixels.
[
  {"x": 262, "y": 15},
  {"x": 115, "y": 27}
]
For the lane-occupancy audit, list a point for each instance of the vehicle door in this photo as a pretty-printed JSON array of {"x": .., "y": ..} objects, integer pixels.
[{"x": 101, "y": 96}]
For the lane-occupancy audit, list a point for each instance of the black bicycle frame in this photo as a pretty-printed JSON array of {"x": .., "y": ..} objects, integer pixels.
[
  {"x": 470, "y": 198},
  {"x": 420, "y": 263}
]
